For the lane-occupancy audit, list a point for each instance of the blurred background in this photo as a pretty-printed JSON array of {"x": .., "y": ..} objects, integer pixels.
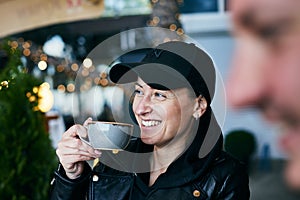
[{"x": 50, "y": 42}]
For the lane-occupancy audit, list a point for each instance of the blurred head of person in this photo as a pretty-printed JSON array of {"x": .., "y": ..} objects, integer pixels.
[
  {"x": 174, "y": 85},
  {"x": 266, "y": 68}
]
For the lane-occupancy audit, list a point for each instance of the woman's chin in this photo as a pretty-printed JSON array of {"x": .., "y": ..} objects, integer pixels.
[{"x": 147, "y": 139}]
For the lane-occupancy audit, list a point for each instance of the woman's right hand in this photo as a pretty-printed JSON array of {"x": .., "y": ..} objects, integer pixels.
[{"x": 72, "y": 152}]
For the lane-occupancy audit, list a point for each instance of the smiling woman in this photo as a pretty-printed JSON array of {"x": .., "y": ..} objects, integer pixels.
[
  {"x": 177, "y": 153},
  {"x": 159, "y": 114}
]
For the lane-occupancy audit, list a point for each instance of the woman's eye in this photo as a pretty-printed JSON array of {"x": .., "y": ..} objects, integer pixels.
[
  {"x": 160, "y": 96},
  {"x": 138, "y": 92}
]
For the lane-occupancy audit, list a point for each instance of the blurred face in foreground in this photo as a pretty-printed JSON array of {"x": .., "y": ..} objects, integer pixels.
[{"x": 266, "y": 68}]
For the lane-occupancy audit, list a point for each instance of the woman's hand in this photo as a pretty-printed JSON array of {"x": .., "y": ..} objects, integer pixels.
[{"x": 72, "y": 152}]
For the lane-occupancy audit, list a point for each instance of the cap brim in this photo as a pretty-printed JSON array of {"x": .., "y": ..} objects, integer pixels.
[
  {"x": 156, "y": 75},
  {"x": 118, "y": 71}
]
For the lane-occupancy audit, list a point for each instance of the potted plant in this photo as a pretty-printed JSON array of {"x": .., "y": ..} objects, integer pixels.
[
  {"x": 241, "y": 144},
  {"x": 27, "y": 157}
]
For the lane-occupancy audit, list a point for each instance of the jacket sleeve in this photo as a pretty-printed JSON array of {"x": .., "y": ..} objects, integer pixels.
[
  {"x": 63, "y": 188},
  {"x": 236, "y": 184}
]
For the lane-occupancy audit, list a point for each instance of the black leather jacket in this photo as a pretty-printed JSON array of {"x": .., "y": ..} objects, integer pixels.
[
  {"x": 225, "y": 180},
  {"x": 215, "y": 176}
]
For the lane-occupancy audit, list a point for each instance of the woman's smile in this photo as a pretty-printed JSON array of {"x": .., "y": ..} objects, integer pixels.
[{"x": 150, "y": 123}]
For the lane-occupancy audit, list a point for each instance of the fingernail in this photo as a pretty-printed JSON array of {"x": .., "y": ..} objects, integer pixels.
[{"x": 97, "y": 152}]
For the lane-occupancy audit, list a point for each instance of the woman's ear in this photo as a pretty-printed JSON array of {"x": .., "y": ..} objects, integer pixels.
[{"x": 199, "y": 107}]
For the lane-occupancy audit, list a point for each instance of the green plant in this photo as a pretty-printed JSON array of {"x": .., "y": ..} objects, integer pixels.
[
  {"x": 27, "y": 157},
  {"x": 241, "y": 144}
]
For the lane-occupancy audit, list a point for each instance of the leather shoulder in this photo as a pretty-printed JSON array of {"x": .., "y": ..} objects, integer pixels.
[{"x": 227, "y": 178}]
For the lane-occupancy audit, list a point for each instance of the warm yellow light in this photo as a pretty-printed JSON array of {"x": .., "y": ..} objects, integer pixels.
[
  {"x": 96, "y": 80},
  {"x": 4, "y": 84},
  {"x": 26, "y": 45},
  {"x": 42, "y": 65},
  {"x": 92, "y": 68},
  {"x": 103, "y": 75},
  {"x": 173, "y": 27},
  {"x": 35, "y": 90},
  {"x": 87, "y": 62},
  {"x": 61, "y": 88},
  {"x": 14, "y": 44},
  {"x": 45, "y": 97},
  {"x": 60, "y": 68},
  {"x": 104, "y": 82},
  {"x": 156, "y": 20},
  {"x": 44, "y": 57},
  {"x": 74, "y": 67},
  {"x": 28, "y": 94},
  {"x": 85, "y": 72},
  {"x": 32, "y": 98},
  {"x": 71, "y": 87},
  {"x": 180, "y": 31},
  {"x": 26, "y": 52}
]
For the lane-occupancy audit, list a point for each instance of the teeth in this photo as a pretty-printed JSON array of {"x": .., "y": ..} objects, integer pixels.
[{"x": 150, "y": 123}]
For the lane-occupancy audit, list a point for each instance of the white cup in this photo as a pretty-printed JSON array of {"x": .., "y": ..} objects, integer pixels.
[{"x": 108, "y": 135}]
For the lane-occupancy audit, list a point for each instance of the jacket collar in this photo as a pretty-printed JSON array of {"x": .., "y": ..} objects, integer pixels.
[{"x": 189, "y": 166}]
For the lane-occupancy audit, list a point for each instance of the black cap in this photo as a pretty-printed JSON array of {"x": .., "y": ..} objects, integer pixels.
[{"x": 171, "y": 65}]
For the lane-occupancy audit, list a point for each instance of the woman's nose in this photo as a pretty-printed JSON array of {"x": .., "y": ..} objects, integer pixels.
[{"x": 142, "y": 105}]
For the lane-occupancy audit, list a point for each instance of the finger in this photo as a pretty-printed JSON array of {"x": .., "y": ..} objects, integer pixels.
[
  {"x": 87, "y": 121},
  {"x": 76, "y": 146},
  {"x": 66, "y": 150},
  {"x": 69, "y": 160},
  {"x": 75, "y": 131},
  {"x": 81, "y": 131},
  {"x": 72, "y": 131}
]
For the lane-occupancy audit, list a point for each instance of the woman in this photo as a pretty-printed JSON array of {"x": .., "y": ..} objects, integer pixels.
[{"x": 179, "y": 136}]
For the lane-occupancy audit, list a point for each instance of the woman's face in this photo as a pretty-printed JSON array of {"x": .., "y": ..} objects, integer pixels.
[{"x": 162, "y": 114}]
